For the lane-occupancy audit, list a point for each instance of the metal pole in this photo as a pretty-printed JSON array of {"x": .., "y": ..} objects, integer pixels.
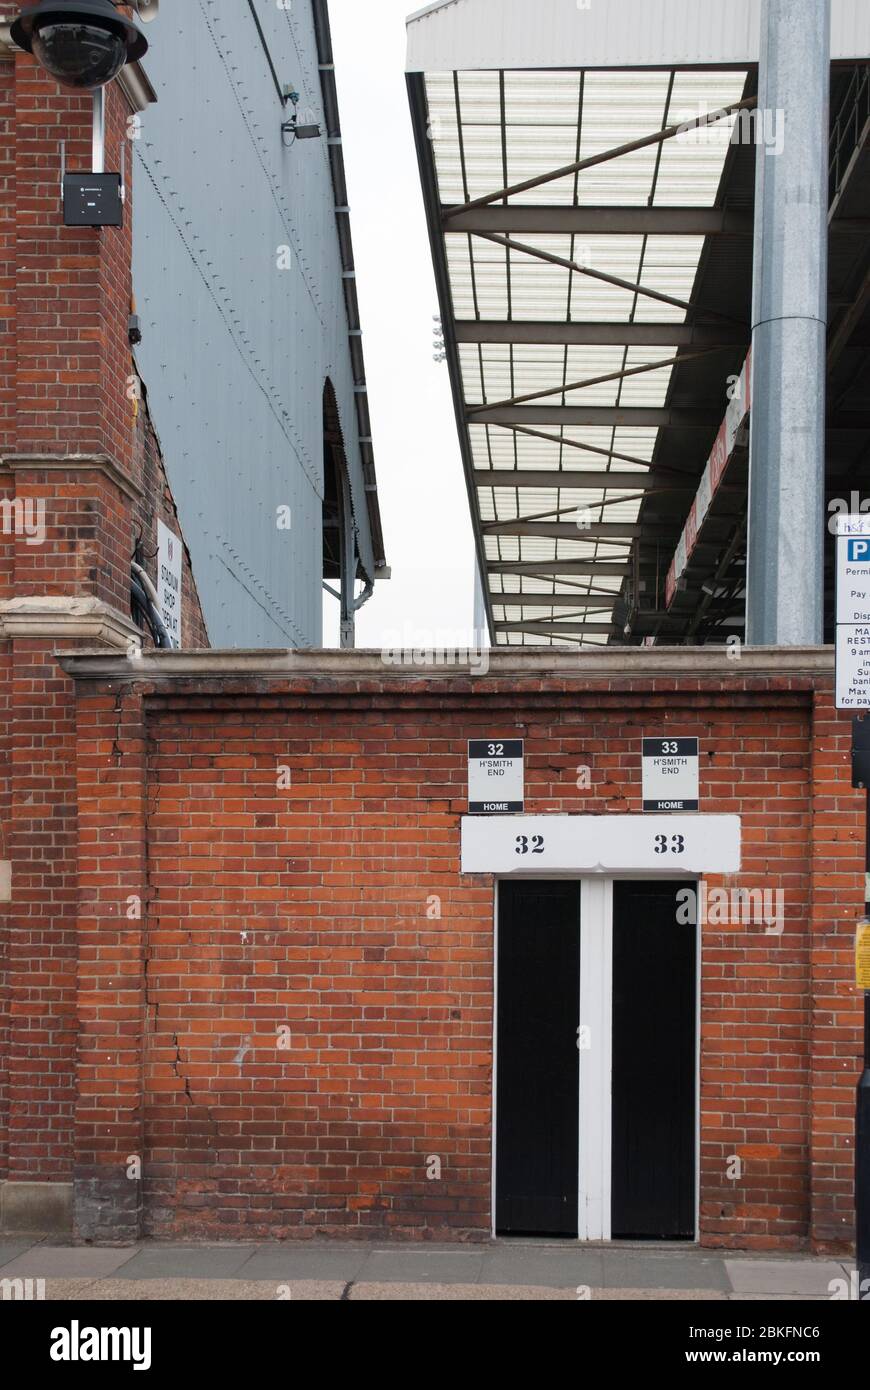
[
  {"x": 785, "y": 587},
  {"x": 862, "y": 1166}
]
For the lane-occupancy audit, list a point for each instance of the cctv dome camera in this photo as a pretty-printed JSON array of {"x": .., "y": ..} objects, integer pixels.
[{"x": 82, "y": 43}]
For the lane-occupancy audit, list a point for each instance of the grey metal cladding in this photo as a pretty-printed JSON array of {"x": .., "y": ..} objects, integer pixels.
[{"x": 236, "y": 351}]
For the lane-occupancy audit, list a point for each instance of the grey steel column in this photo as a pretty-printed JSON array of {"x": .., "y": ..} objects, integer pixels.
[{"x": 784, "y": 605}]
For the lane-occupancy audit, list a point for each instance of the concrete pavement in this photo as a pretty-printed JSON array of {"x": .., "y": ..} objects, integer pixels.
[{"x": 317, "y": 1270}]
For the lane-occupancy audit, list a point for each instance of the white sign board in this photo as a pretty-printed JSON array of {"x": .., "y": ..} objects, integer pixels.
[
  {"x": 671, "y": 779},
  {"x": 169, "y": 571},
  {"x": 853, "y": 612},
  {"x": 600, "y": 844},
  {"x": 853, "y": 569},
  {"x": 496, "y": 776},
  {"x": 853, "y": 666}
]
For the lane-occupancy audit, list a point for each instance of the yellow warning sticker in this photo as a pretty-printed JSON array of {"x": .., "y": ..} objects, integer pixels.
[{"x": 862, "y": 956}]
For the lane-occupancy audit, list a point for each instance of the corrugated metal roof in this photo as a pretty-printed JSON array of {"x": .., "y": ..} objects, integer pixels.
[
  {"x": 462, "y": 35},
  {"x": 573, "y": 485}
]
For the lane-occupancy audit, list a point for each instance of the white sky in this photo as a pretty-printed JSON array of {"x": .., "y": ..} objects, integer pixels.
[{"x": 423, "y": 499}]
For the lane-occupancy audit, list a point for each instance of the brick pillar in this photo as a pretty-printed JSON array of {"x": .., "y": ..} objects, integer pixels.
[
  {"x": 69, "y": 431},
  {"x": 8, "y": 254},
  {"x": 838, "y": 855},
  {"x": 109, "y": 1128},
  {"x": 7, "y": 399},
  {"x": 70, "y": 484},
  {"x": 72, "y": 284}
]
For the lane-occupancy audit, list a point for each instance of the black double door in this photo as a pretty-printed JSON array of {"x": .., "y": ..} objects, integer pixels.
[
  {"x": 538, "y": 1061},
  {"x": 653, "y": 1061}
]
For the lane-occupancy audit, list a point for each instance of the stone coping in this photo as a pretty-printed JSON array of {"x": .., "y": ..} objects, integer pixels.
[{"x": 609, "y": 663}]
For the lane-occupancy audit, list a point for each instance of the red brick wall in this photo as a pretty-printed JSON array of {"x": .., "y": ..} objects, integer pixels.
[
  {"x": 65, "y": 361},
  {"x": 839, "y": 818},
  {"x": 72, "y": 285},
  {"x": 306, "y": 908},
  {"x": 5, "y": 794},
  {"x": 42, "y": 917},
  {"x": 8, "y": 252},
  {"x": 111, "y": 966},
  {"x": 7, "y": 398}
]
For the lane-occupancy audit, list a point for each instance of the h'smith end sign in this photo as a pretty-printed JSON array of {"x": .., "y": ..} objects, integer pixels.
[
  {"x": 671, "y": 778},
  {"x": 496, "y": 777}
]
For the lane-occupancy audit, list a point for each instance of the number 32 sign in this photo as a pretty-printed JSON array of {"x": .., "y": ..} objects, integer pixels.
[{"x": 496, "y": 776}]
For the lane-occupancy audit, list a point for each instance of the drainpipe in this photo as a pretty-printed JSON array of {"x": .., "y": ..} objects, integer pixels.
[
  {"x": 98, "y": 154},
  {"x": 785, "y": 573},
  {"x": 348, "y": 566}
]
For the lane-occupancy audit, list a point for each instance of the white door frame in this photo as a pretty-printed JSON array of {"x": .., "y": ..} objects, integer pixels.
[{"x": 596, "y": 1015}]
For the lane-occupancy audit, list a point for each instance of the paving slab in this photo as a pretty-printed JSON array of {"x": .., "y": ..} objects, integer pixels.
[
  {"x": 806, "y": 1277},
  {"x": 67, "y": 1262},
  {"x": 558, "y": 1267},
  {"x": 11, "y": 1249},
  {"x": 187, "y": 1262},
  {"x": 422, "y": 1265},
  {"x": 630, "y": 1269},
  {"x": 281, "y": 1263}
]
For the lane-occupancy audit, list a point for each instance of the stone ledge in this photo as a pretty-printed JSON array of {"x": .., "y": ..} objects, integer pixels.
[
  {"x": 74, "y": 463},
  {"x": 686, "y": 663},
  {"x": 82, "y": 619},
  {"x": 134, "y": 83},
  {"x": 36, "y": 1208}
]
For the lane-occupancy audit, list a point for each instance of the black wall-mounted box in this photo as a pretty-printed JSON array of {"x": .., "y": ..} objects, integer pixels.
[
  {"x": 861, "y": 753},
  {"x": 92, "y": 200}
]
